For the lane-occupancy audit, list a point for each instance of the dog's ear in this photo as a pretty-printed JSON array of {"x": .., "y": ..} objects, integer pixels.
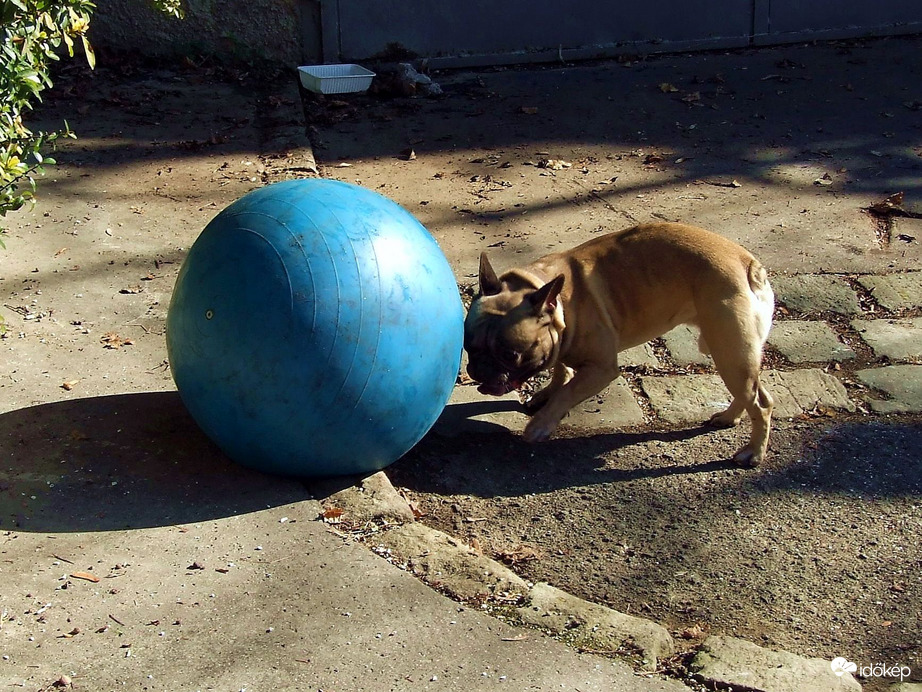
[
  {"x": 544, "y": 300},
  {"x": 490, "y": 285}
]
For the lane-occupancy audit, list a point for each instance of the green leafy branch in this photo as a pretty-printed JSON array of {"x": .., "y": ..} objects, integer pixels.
[{"x": 33, "y": 35}]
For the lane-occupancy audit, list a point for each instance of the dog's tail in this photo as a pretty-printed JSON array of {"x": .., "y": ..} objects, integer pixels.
[{"x": 763, "y": 297}]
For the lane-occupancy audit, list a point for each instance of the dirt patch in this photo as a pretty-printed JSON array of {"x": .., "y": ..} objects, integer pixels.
[{"x": 817, "y": 553}]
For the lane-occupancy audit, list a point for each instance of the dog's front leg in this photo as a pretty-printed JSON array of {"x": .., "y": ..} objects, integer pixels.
[
  {"x": 586, "y": 382},
  {"x": 562, "y": 374}
]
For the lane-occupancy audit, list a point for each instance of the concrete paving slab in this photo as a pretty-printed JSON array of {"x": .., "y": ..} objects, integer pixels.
[
  {"x": 797, "y": 391},
  {"x": 363, "y": 501},
  {"x": 893, "y": 339},
  {"x": 730, "y": 663},
  {"x": 802, "y": 341},
  {"x": 903, "y": 383},
  {"x": 593, "y": 626},
  {"x": 895, "y": 291},
  {"x": 694, "y": 398},
  {"x": 448, "y": 564},
  {"x": 613, "y": 408},
  {"x": 812, "y": 293},
  {"x": 639, "y": 355},
  {"x": 682, "y": 343},
  {"x": 269, "y": 600},
  {"x": 686, "y": 398}
]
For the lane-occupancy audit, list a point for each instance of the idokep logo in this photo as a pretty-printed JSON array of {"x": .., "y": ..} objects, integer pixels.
[{"x": 840, "y": 666}]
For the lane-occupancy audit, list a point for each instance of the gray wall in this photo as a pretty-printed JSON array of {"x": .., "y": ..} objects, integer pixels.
[
  {"x": 481, "y": 32},
  {"x": 497, "y": 31},
  {"x": 240, "y": 30}
]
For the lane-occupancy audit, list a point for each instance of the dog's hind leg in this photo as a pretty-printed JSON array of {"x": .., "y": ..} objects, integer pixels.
[
  {"x": 735, "y": 337},
  {"x": 749, "y": 395}
]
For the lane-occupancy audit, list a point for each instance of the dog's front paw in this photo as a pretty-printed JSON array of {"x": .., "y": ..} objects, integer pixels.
[
  {"x": 724, "y": 419},
  {"x": 539, "y": 428}
]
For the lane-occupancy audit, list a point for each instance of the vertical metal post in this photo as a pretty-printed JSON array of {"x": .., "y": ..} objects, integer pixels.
[
  {"x": 329, "y": 31},
  {"x": 761, "y": 21}
]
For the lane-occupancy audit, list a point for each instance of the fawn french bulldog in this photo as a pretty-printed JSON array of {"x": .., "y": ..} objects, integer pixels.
[{"x": 573, "y": 311}]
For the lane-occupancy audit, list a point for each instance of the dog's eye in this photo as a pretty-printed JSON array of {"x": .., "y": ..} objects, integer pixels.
[{"x": 510, "y": 356}]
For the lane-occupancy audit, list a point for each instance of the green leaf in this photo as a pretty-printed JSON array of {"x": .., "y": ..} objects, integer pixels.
[{"x": 90, "y": 53}]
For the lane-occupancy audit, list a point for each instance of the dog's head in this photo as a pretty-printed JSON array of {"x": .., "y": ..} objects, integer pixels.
[{"x": 511, "y": 332}]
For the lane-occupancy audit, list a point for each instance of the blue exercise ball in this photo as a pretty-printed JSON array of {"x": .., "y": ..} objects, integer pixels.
[{"x": 315, "y": 329}]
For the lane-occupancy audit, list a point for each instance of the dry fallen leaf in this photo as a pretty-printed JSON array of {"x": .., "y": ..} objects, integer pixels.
[
  {"x": 554, "y": 164},
  {"x": 668, "y": 88},
  {"x": 332, "y": 515},
  {"x": 693, "y": 632},
  {"x": 888, "y": 204},
  {"x": 85, "y": 575},
  {"x": 114, "y": 341},
  {"x": 69, "y": 385}
]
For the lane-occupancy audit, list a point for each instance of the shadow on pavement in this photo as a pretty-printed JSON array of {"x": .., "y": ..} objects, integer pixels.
[
  {"x": 859, "y": 458},
  {"x": 862, "y": 460},
  {"x": 122, "y": 462},
  {"x": 490, "y": 461}
]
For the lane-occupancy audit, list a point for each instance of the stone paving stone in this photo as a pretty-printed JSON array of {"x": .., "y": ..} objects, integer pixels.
[
  {"x": 613, "y": 408},
  {"x": 808, "y": 342},
  {"x": 458, "y": 569},
  {"x": 797, "y": 391},
  {"x": 639, "y": 355},
  {"x": 895, "y": 291},
  {"x": 682, "y": 343},
  {"x": 695, "y": 398},
  {"x": 894, "y": 339},
  {"x": 902, "y": 382},
  {"x": 815, "y": 293},
  {"x": 592, "y": 626},
  {"x": 730, "y": 663},
  {"x": 686, "y": 398}
]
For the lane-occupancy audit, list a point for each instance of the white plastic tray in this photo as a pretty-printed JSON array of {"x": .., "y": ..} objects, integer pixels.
[{"x": 335, "y": 79}]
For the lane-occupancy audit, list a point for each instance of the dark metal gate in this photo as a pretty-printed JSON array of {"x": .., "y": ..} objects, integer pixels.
[{"x": 480, "y": 32}]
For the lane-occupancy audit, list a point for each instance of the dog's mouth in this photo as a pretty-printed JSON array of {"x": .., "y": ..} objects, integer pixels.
[{"x": 498, "y": 388}]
